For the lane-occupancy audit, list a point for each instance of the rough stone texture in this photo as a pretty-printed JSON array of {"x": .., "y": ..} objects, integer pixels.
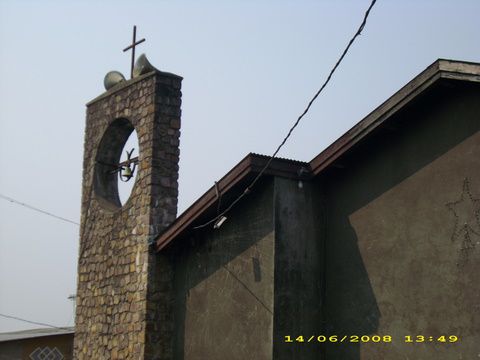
[{"x": 124, "y": 294}]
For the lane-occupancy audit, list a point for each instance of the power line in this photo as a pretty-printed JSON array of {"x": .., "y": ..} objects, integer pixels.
[
  {"x": 248, "y": 289},
  {"x": 34, "y": 322},
  {"x": 249, "y": 187},
  {"x": 37, "y": 209}
]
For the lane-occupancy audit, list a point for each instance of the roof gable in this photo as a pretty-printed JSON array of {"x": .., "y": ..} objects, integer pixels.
[
  {"x": 440, "y": 69},
  {"x": 235, "y": 181}
]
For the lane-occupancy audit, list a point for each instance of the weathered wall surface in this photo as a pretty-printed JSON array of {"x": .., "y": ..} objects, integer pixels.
[
  {"x": 124, "y": 294},
  {"x": 11, "y": 350},
  {"x": 299, "y": 277},
  {"x": 403, "y": 234},
  {"x": 44, "y": 347},
  {"x": 244, "y": 287},
  {"x": 224, "y": 286}
]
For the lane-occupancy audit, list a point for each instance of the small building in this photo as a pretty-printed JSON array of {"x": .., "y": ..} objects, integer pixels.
[{"x": 37, "y": 344}]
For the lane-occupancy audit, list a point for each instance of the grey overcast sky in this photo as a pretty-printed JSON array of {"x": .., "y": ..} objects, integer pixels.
[{"x": 249, "y": 69}]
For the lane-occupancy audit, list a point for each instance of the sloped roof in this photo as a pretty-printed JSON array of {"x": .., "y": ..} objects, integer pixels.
[
  {"x": 440, "y": 69},
  {"x": 234, "y": 182},
  {"x": 34, "y": 333}
]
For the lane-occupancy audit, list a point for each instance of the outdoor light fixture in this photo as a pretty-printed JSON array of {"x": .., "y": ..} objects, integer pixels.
[{"x": 219, "y": 222}]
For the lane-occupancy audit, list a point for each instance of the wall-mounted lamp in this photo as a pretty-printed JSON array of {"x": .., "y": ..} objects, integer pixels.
[{"x": 219, "y": 222}]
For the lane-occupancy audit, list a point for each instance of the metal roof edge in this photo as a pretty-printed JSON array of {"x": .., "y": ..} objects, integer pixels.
[
  {"x": 35, "y": 333},
  {"x": 250, "y": 164},
  {"x": 441, "y": 68}
]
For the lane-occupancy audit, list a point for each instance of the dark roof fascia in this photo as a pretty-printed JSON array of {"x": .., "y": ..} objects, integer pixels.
[
  {"x": 250, "y": 165},
  {"x": 442, "y": 68}
]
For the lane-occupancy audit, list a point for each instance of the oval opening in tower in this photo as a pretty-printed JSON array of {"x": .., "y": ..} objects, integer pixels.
[{"x": 116, "y": 164}]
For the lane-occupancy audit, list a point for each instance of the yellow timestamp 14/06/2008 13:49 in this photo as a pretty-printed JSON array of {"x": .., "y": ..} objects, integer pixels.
[{"x": 369, "y": 339}]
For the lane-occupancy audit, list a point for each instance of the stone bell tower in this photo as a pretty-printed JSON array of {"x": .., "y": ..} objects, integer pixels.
[{"x": 124, "y": 294}]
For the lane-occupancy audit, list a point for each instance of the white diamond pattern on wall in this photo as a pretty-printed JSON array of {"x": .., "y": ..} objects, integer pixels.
[{"x": 46, "y": 354}]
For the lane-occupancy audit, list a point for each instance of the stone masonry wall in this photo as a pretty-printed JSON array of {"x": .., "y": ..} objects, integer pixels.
[{"x": 124, "y": 293}]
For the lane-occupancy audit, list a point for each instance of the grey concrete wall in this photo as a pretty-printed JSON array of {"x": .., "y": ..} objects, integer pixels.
[
  {"x": 375, "y": 246},
  {"x": 224, "y": 285},
  {"x": 299, "y": 277},
  {"x": 241, "y": 289},
  {"x": 11, "y": 350},
  {"x": 403, "y": 234}
]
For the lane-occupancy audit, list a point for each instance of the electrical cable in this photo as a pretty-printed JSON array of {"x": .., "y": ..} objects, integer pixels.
[
  {"x": 34, "y": 322},
  {"x": 37, "y": 209},
  {"x": 249, "y": 187}
]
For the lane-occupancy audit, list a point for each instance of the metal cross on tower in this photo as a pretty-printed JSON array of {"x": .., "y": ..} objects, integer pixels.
[{"x": 132, "y": 46}]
